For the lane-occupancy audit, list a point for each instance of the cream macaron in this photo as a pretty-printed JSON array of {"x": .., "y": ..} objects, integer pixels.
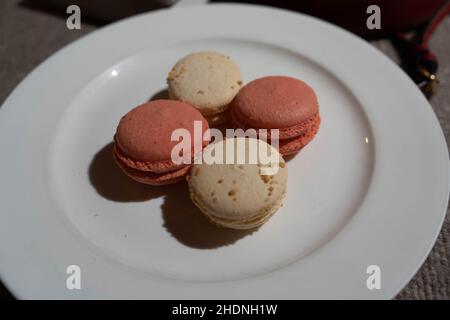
[
  {"x": 207, "y": 80},
  {"x": 234, "y": 191}
]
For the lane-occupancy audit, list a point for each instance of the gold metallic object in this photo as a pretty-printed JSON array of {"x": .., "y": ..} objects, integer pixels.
[{"x": 430, "y": 87}]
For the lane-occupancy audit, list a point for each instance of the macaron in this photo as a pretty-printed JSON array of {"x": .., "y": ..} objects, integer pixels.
[
  {"x": 278, "y": 102},
  {"x": 207, "y": 80},
  {"x": 143, "y": 141},
  {"x": 242, "y": 193}
]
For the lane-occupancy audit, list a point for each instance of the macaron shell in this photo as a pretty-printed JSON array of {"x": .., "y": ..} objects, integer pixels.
[
  {"x": 237, "y": 194},
  {"x": 243, "y": 224},
  {"x": 242, "y": 194},
  {"x": 153, "y": 179},
  {"x": 275, "y": 102},
  {"x": 207, "y": 80},
  {"x": 144, "y": 133}
]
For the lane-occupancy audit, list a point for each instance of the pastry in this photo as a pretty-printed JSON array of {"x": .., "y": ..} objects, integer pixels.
[
  {"x": 143, "y": 145},
  {"x": 207, "y": 80},
  {"x": 278, "y": 102},
  {"x": 241, "y": 194}
]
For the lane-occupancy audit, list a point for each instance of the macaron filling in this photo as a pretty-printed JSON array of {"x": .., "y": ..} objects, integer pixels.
[
  {"x": 148, "y": 177},
  {"x": 284, "y": 133},
  {"x": 157, "y": 166},
  {"x": 293, "y": 145}
]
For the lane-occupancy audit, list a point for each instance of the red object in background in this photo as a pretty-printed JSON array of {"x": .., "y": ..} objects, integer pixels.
[
  {"x": 396, "y": 15},
  {"x": 397, "y": 18}
]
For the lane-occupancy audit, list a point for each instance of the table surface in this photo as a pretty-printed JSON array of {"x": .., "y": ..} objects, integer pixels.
[{"x": 29, "y": 33}]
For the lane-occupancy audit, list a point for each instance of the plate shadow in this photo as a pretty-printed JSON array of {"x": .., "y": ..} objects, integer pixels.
[
  {"x": 111, "y": 183},
  {"x": 182, "y": 219},
  {"x": 186, "y": 223},
  {"x": 161, "y": 94}
]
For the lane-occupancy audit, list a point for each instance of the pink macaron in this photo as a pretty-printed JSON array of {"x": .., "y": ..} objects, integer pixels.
[
  {"x": 143, "y": 144},
  {"x": 278, "y": 102}
]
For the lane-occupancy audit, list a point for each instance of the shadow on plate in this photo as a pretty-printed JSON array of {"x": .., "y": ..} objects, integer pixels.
[
  {"x": 182, "y": 219},
  {"x": 161, "y": 94},
  {"x": 189, "y": 226},
  {"x": 112, "y": 184}
]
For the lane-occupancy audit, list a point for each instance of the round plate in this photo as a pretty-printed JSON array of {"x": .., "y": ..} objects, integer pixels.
[{"x": 371, "y": 189}]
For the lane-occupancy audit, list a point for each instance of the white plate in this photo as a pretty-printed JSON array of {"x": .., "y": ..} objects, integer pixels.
[{"x": 371, "y": 189}]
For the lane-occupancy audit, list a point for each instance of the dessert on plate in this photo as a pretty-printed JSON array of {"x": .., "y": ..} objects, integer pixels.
[
  {"x": 207, "y": 80},
  {"x": 279, "y": 102},
  {"x": 237, "y": 182},
  {"x": 243, "y": 194},
  {"x": 143, "y": 145}
]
